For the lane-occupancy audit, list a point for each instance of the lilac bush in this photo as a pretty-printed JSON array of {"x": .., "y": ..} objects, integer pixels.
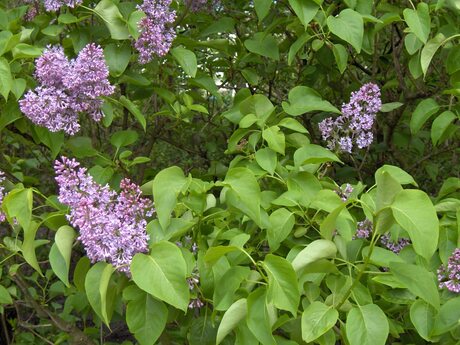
[
  {"x": 449, "y": 275},
  {"x": 156, "y": 33},
  {"x": 112, "y": 226},
  {"x": 354, "y": 126},
  {"x": 67, "y": 88}
]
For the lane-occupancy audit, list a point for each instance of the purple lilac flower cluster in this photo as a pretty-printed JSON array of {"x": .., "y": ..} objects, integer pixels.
[
  {"x": 112, "y": 226},
  {"x": 55, "y": 5},
  {"x": 364, "y": 229},
  {"x": 449, "y": 276},
  {"x": 354, "y": 126},
  {"x": 67, "y": 88},
  {"x": 2, "y": 191},
  {"x": 156, "y": 33},
  {"x": 345, "y": 191}
]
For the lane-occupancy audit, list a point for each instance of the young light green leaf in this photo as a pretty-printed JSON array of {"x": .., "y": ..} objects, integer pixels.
[
  {"x": 341, "y": 57},
  {"x": 60, "y": 255},
  {"x": 317, "y": 319},
  {"x": 133, "y": 109},
  {"x": 283, "y": 290},
  {"x": 187, "y": 59},
  {"x": 367, "y": 325},
  {"x": 448, "y": 316},
  {"x": 414, "y": 211},
  {"x": 418, "y": 280},
  {"x": 117, "y": 57},
  {"x": 262, "y": 8},
  {"x": 6, "y": 79},
  {"x": 281, "y": 223},
  {"x": 108, "y": 11},
  {"x": 316, "y": 250},
  {"x": 313, "y": 154},
  {"x": 231, "y": 318},
  {"x": 440, "y": 125},
  {"x": 303, "y": 99},
  {"x": 424, "y": 110},
  {"x": 226, "y": 286},
  {"x": 305, "y": 10},
  {"x": 257, "y": 318},
  {"x": 162, "y": 274},
  {"x": 349, "y": 26},
  {"x": 97, "y": 290},
  {"x": 419, "y": 21},
  {"x": 422, "y": 316},
  {"x": 167, "y": 185},
  {"x": 5, "y": 297},
  {"x": 263, "y": 44},
  {"x": 275, "y": 139},
  {"x": 429, "y": 50},
  {"x": 267, "y": 159},
  {"x": 396, "y": 173},
  {"x": 124, "y": 138}
]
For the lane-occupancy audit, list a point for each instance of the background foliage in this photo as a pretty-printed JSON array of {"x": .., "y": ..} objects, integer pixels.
[{"x": 223, "y": 133}]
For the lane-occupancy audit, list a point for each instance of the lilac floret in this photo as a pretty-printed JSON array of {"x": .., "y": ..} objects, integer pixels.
[
  {"x": 449, "y": 275},
  {"x": 394, "y": 246},
  {"x": 112, "y": 226},
  {"x": 354, "y": 126},
  {"x": 364, "y": 229},
  {"x": 55, "y": 5}
]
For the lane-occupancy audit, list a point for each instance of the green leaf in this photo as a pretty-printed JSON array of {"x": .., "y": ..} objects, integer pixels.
[
  {"x": 422, "y": 316},
  {"x": 162, "y": 274},
  {"x": 367, "y": 325},
  {"x": 313, "y": 154},
  {"x": 166, "y": 187},
  {"x": 281, "y": 223},
  {"x": 6, "y": 80},
  {"x": 226, "y": 286},
  {"x": 98, "y": 291},
  {"x": 303, "y": 99},
  {"x": 381, "y": 257},
  {"x": 263, "y": 44},
  {"x": 292, "y": 124},
  {"x": 231, "y": 318},
  {"x": 453, "y": 60},
  {"x": 387, "y": 107},
  {"x": 267, "y": 159},
  {"x": 110, "y": 14},
  {"x": 329, "y": 224},
  {"x": 448, "y": 316},
  {"x": 418, "y": 280},
  {"x": 215, "y": 253},
  {"x": 23, "y": 50},
  {"x": 257, "y": 318},
  {"x": 5, "y": 297},
  {"x": 123, "y": 138},
  {"x": 396, "y": 173},
  {"x": 133, "y": 23},
  {"x": 305, "y": 10},
  {"x": 187, "y": 59},
  {"x": 341, "y": 57},
  {"x": 146, "y": 318},
  {"x": 262, "y": 8},
  {"x": 419, "y": 21},
  {"x": 387, "y": 189},
  {"x": 275, "y": 139},
  {"x": 412, "y": 43},
  {"x": 245, "y": 192},
  {"x": 429, "y": 50},
  {"x": 349, "y": 26},
  {"x": 414, "y": 211},
  {"x": 60, "y": 255},
  {"x": 81, "y": 147},
  {"x": 18, "y": 204},
  {"x": 424, "y": 110},
  {"x": 79, "y": 274},
  {"x": 283, "y": 290},
  {"x": 117, "y": 57},
  {"x": 316, "y": 250},
  {"x": 133, "y": 109},
  {"x": 317, "y": 319},
  {"x": 18, "y": 87},
  {"x": 440, "y": 125},
  {"x": 297, "y": 45}
]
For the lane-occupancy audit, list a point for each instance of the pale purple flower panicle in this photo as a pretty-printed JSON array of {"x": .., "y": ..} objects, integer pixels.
[
  {"x": 345, "y": 191},
  {"x": 354, "y": 126},
  {"x": 156, "y": 33},
  {"x": 364, "y": 229},
  {"x": 55, "y": 5},
  {"x": 2, "y": 191},
  {"x": 112, "y": 226},
  {"x": 394, "y": 246},
  {"x": 67, "y": 89},
  {"x": 449, "y": 276}
]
